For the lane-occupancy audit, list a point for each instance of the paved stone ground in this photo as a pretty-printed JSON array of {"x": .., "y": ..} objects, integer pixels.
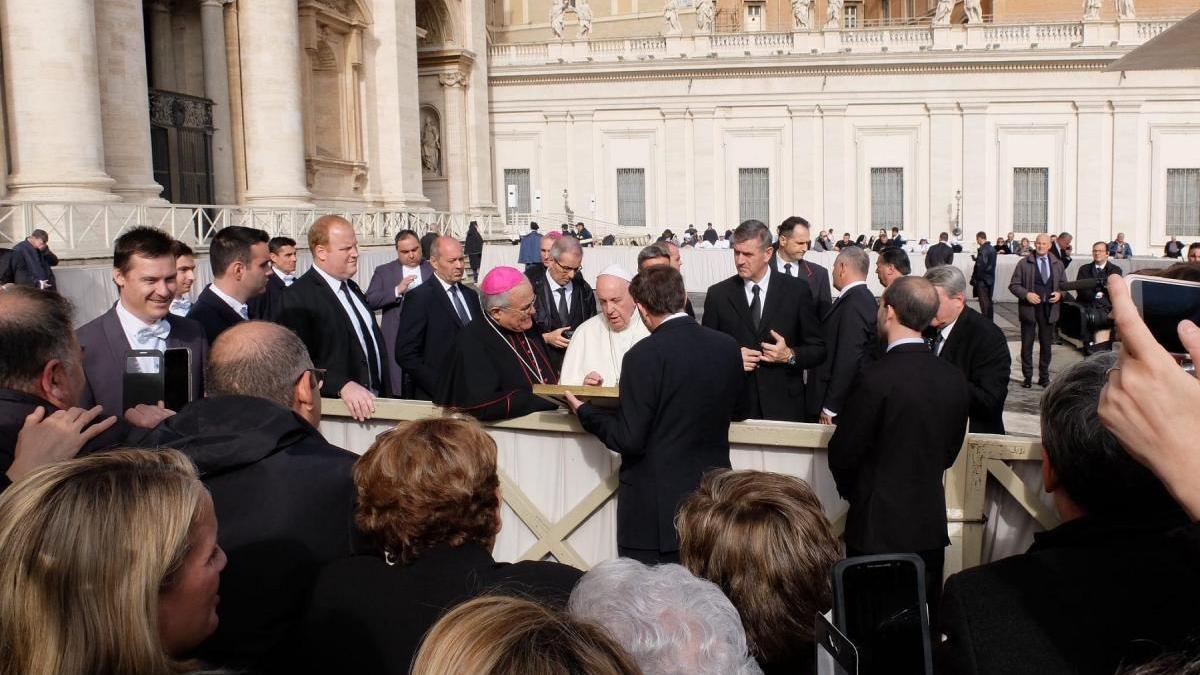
[{"x": 1022, "y": 407}]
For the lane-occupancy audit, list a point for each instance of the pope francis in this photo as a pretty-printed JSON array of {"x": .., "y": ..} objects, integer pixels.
[{"x": 599, "y": 344}]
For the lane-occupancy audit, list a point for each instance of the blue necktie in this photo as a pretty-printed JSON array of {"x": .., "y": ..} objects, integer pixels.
[{"x": 1044, "y": 268}]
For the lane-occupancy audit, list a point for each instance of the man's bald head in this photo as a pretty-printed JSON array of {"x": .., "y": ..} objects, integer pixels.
[
  {"x": 446, "y": 257},
  {"x": 259, "y": 359}
]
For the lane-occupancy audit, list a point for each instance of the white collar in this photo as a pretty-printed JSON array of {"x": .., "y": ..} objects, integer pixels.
[
  {"x": 131, "y": 326},
  {"x": 905, "y": 341},
  {"x": 945, "y": 330},
  {"x": 287, "y": 278},
  {"x": 780, "y": 262},
  {"x": 852, "y": 284},
  {"x": 445, "y": 284},
  {"x": 129, "y": 321},
  {"x": 236, "y": 305},
  {"x": 762, "y": 285},
  {"x": 554, "y": 285},
  {"x": 676, "y": 315},
  {"x": 335, "y": 284}
]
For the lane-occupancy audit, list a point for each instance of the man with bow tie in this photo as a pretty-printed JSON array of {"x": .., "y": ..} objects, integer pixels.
[{"x": 144, "y": 270}]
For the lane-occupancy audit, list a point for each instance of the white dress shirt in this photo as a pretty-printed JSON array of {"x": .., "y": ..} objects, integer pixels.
[
  {"x": 414, "y": 272},
  {"x": 905, "y": 341},
  {"x": 288, "y": 279},
  {"x": 781, "y": 264},
  {"x": 846, "y": 289},
  {"x": 139, "y": 339},
  {"x": 460, "y": 297},
  {"x": 553, "y": 285},
  {"x": 240, "y": 308},
  {"x": 367, "y": 317},
  {"x": 945, "y": 332},
  {"x": 762, "y": 289},
  {"x": 181, "y": 306}
]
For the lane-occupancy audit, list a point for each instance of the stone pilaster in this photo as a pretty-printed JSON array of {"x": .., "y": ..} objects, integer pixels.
[
  {"x": 53, "y": 101},
  {"x": 124, "y": 100},
  {"x": 162, "y": 45},
  {"x": 454, "y": 82},
  {"x": 216, "y": 88},
  {"x": 395, "y": 159},
  {"x": 272, "y": 103}
]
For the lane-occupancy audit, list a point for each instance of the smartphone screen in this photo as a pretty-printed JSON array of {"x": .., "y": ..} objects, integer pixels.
[
  {"x": 1163, "y": 303},
  {"x": 177, "y": 378},
  {"x": 881, "y": 608},
  {"x": 142, "y": 381}
]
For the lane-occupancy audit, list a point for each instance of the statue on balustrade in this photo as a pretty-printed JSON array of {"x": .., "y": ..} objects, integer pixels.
[
  {"x": 802, "y": 14},
  {"x": 1125, "y": 9},
  {"x": 833, "y": 15},
  {"x": 941, "y": 16},
  {"x": 583, "y": 11},
  {"x": 973, "y": 10},
  {"x": 704, "y": 16},
  {"x": 1091, "y": 10},
  {"x": 671, "y": 14},
  {"x": 558, "y": 17}
]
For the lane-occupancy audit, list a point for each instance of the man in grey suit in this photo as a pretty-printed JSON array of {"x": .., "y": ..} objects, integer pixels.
[
  {"x": 145, "y": 275},
  {"x": 1037, "y": 282},
  {"x": 389, "y": 284}
]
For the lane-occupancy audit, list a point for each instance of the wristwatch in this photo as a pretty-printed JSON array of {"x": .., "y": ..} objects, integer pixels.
[{"x": 792, "y": 359}]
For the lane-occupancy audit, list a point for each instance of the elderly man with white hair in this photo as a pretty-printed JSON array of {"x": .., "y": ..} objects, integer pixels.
[
  {"x": 496, "y": 360},
  {"x": 670, "y": 622},
  {"x": 599, "y": 344}
]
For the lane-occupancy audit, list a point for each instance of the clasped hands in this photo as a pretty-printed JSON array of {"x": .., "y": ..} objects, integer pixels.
[
  {"x": 1035, "y": 299},
  {"x": 771, "y": 352}
]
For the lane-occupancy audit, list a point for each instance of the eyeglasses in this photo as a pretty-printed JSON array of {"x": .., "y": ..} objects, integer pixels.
[
  {"x": 519, "y": 310},
  {"x": 318, "y": 376},
  {"x": 566, "y": 268}
]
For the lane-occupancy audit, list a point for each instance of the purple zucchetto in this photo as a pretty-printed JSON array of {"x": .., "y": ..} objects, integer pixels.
[{"x": 501, "y": 280}]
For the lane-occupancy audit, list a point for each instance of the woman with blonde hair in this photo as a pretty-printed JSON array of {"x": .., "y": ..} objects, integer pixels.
[
  {"x": 498, "y": 635},
  {"x": 763, "y": 538},
  {"x": 109, "y": 565},
  {"x": 429, "y": 501}
]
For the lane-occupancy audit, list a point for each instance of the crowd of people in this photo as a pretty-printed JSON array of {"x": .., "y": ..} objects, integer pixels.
[{"x": 230, "y": 535}]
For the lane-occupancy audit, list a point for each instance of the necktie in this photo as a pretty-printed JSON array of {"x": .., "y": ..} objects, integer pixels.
[
  {"x": 787, "y": 269},
  {"x": 244, "y": 311},
  {"x": 1044, "y": 268},
  {"x": 459, "y": 307},
  {"x": 159, "y": 331},
  {"x": 756, "y": 306},
  {"x": 368, "y": 340},
  {"x": 564, "y": 314},
  {"x": 938, "y": 339}
]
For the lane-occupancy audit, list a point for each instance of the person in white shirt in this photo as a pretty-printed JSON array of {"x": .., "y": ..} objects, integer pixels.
[
  {"x": 283, "y": 259},
  {"x": 185, "y": 271},
  {"x": 599, "y": 344}
]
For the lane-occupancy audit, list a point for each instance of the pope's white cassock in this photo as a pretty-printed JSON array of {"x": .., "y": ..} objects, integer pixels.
[{"x": 595, "y": 346}]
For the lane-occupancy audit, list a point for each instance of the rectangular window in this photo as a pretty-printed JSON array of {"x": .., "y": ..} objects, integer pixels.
[
  {"x": 887, "y": 198},
  {"x": 1031, "y": 185},
  {"x": 754, "y": 195},
  {"x": 520, "y": 179},
  {"x": 850, "y": 20},
  {"x": 631, "y": 197},
  {"x": 1183, "y": 202}
]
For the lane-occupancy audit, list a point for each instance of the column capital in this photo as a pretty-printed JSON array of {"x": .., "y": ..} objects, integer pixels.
[
  {"x": 973, "y": 108},
  {"x": 216, "y": 3},
  {"x": 554, "y": 116},
  {"x": 833, "y": 109},
  {"x": 453, "y": 78},
  {"x": 805, "y": 110},
  {"x": 942, "y": 108},
  {"x": 673, "y": 113},
  {"x": 1127, "y": 107}
]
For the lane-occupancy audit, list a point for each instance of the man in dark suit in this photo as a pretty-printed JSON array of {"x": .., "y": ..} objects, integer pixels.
[
  {"x": 283, "y": 274},
  {"x": 330, "y": 314},
  {"x": 144, "y": 272},
  {"x": 940, "y": 253},
  {"x": 1061, "y": 248},
  {"x": 903, "y": 426},
  {"x": 1100, "y": 269},
  {"x": 185, "y": 278},
  {"x": 850, "y": 336},
  {"x": 664, "y": 253},
  {"x": 1037, "y": 281},
  {"x": 389, "y": 285},
  {"x": 779, "y": 334},
  {"x": 30, "y": 261},
  {"x": 977, "y": 346},
  {"x": 241, "y": 267},
  {"x": 283, "y": 494},
  {"x": 673, "y": 422},
  {"x": 562, "y": 299},
  {"x": 434, "y": 314},
  {"x": 983, "y": 276},
  {"x": 1111, "y": 587},
  {"x": 892, "y": 264},
  {"x": 794, "y": 240},
  {"x": 427, "y": 240}
]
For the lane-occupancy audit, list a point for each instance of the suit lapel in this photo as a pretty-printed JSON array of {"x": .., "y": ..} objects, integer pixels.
[
  {"x": 444, "y": 300},
  {"x": 737, "y": 298},
  {"x": 114, "y": 335},
  {"x": 773, "y": 300}
]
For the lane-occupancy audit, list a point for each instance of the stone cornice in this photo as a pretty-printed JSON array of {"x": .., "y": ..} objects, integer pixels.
[{"x": 525, "y": 75}]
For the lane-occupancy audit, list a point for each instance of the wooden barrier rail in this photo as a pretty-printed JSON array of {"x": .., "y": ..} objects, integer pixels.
[{"x": 797, "y": 449}]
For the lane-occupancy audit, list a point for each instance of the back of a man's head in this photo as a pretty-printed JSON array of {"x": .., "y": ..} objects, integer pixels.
[
  {"x": 914, "y": 300},
  {"x": 669, "y": 621},
  {"x": 35, "y": 328},
  {"x": 856, "y": 261},
  {"x": 1090, "y": 465},
  {"x": 896, "y": 257},
  {"x": 659, "y": 290},
  {"x": 259, "y": 359},
  {"x": 654, "y": 251}
]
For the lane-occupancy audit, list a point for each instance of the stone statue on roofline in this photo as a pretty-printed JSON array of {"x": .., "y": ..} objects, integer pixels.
[
  {"x": 671, "y": 14},
  {"x": 941, "y": 16},
  {"x": 1125, "y": 9},
  {"x": 705, "y": 12},
  {"x": 1091, "y": 10},
  {"x": 833, "y": 15},
  {"x": 558, "y": 17},
  {"x": 973, "y": 10},
  {"x": 583, "y": 11},
  {"x": 802, "y": 14}
]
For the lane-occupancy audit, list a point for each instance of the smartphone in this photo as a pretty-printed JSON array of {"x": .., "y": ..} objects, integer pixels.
[
  {"x": 177, "y": 378},
  {"x": 836, "y": 654},
  {"x": 879, "y": 604},
  {"x": 1163, "y": 303},
  {"x": 143, "y": 380}
]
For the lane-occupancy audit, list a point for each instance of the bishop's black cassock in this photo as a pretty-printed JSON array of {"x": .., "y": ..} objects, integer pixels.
[{"x": 492, "y": 371}]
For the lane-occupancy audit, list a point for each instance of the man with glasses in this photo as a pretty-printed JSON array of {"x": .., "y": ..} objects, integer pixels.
[
  {"x": 283, "y": 494},
  {"x": 496, "y": 360},
  {"x": 562, "y": 298},
  {"x": 434, "y": 314}
]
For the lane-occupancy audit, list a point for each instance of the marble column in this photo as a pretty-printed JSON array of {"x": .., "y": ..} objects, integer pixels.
[
  {"x": 1093, "y": 184},
  {"x": 454, "y": 82},
  {"x": 833, "y": 198},
  {"x": 395, "y": 160},
  {"x": 162, "y": 45},
  {"x": 1127, "y": 185},
  {"x": 975, "y": 207},
  {"x": 272, "y": 103},
  {"x": 53, "y": 101},
  {"x": 216, "y": 88},
  {"x": 945, "y": 140},
  {"x": 124, "y": 101}
]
